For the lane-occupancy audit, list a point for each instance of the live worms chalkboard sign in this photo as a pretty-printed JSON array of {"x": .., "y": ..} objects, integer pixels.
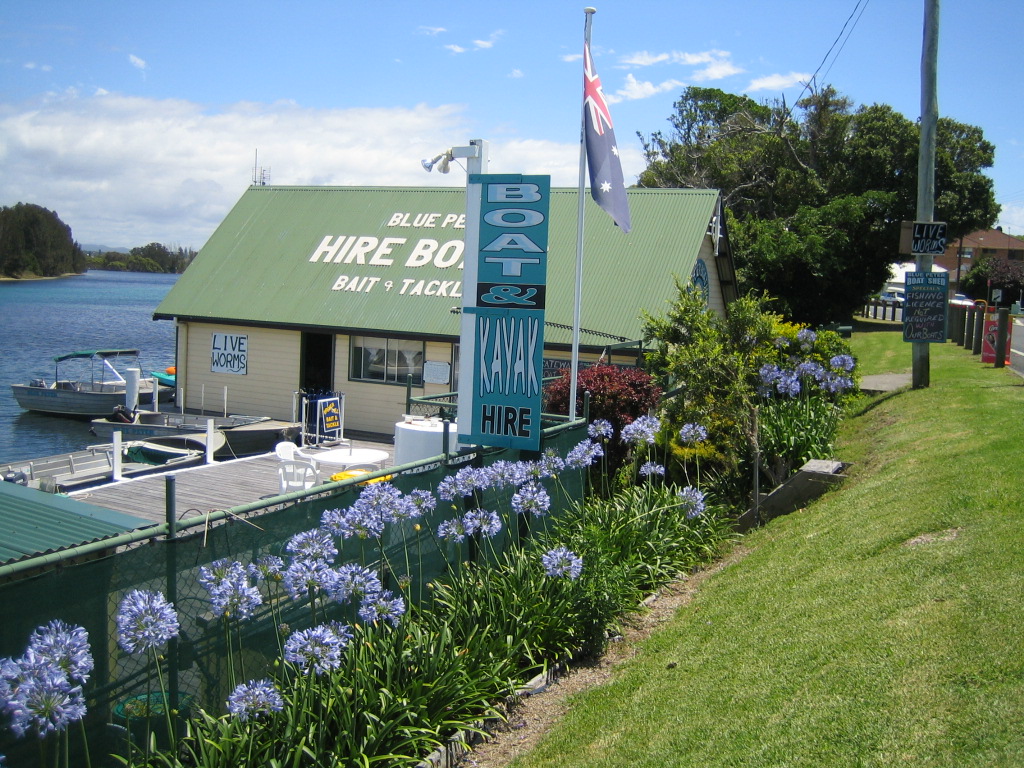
[{"x": 924, "y": 310}]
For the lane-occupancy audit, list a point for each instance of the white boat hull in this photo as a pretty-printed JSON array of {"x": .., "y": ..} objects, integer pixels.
[{"x": 80, "y": 402}]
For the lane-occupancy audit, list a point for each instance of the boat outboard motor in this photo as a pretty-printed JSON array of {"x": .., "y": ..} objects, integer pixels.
[
  {"x": 17, "y": 477},
  {"x": 122, "y": 415}
]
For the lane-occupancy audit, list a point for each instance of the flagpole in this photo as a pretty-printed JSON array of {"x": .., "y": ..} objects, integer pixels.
[{"x": 578, "y": 294}]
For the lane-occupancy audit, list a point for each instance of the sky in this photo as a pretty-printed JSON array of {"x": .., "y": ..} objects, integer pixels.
[{"x": 144, "y": 122}]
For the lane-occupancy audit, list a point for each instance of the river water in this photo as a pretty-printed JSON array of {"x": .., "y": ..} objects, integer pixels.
[{"x": 40, "y": 319}]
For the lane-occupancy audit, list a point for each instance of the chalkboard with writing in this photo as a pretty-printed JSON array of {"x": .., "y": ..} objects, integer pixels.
[{"x": 924, "y": 310}]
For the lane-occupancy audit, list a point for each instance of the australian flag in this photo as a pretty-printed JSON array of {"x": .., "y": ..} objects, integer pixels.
[{"x": 606, "y": 184}]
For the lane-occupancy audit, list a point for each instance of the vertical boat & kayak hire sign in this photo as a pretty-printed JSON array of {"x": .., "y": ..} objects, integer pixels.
[{"x": 504, "y": 291}]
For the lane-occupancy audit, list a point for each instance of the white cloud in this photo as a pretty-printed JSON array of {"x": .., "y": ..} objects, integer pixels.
[
  {"x": 136, "y": 62},
  {"x": 778, "y": 82},
  {"x": 644, "y": 59},
  {"x": 126, "y": 171},
  {"x": 572, "y": 57},
  {"x": 515, "y": 74},
  {"x": 432, "y": 30},
  {"x": 483, "y": 43},
  {"x": 455, "y": 48},
  {"x": 638, "y": 89},
  {"x": 1011, "y": 219}
]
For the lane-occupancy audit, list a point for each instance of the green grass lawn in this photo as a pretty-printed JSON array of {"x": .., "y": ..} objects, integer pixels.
[{"x": 880, "y": 626}]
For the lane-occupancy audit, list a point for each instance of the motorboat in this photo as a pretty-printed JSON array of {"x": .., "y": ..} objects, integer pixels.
[
  {"x": 243, "y": 435},
  {"x": 98, "y": 464},
  {"x": 93, "y": 387}
]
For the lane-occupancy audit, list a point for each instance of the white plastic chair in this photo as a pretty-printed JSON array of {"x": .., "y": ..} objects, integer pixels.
[
  {"x": 297, "y": 476},
  {"x": 289, "y": 451}
]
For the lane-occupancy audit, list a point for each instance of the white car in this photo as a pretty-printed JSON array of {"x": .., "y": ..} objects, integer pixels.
[
  {"x": 896, "y": 297},
  {"x": 960, "y": 300}
]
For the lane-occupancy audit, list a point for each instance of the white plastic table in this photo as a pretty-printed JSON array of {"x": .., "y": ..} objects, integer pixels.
[{"x": 346, "y": 456}]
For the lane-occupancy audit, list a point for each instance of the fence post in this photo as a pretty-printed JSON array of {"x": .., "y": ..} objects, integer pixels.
[
  {"x": 171, "y": 576},
  {"x": 1002, "y": 331},
  {"x": 979, "y": 332},
  {"x": 969, "y": 327}
]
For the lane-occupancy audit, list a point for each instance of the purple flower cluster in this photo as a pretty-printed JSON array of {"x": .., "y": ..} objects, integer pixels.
[
  {"x": 383, "y": 606},
  {"x": 145, "y": 620},
  {"x": 475, "y": 521},
  {"x": 600, "y": 429},
  {"x": 584, "y": 454},
  {"x": 693, "y": 501},
  {"x": 39, "y": 691},
  {"x": 640, "y": 431},
  {"x": 693, "y": 433},
  {"x": 231, "y": 592},
  {"x": 531, "y": 499},
  {"x": 560, "y": 562},
  {"x": 255, "y": 698},
  {"x": 649, "y": 468},
  {"x": 317, "y": 649}
]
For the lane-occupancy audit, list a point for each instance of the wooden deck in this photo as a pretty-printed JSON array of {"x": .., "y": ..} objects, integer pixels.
[{"x": 203, "y": 489}]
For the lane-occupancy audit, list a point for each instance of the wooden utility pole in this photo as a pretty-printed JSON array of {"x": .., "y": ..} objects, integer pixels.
[{"x": 926, "y": 163}]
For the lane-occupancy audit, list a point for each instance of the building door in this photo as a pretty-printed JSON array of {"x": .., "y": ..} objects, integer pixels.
[{"x": 317, "y": 362}]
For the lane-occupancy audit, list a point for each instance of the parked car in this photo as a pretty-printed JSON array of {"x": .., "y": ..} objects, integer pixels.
[
  {"x": 893, "y": 297},
  {"x": 960, "y": 300}
]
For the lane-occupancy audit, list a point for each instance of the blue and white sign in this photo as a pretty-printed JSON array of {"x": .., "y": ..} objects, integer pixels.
[{"x": 505, "y": 287}]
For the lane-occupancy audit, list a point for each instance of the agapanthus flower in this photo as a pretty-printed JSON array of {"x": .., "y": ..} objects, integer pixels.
[
  {"x": 781, "y": 342},
  {"x": 355, "y": 582},
  {"x": 583, "y": 454},
  {"x": 423, "y": 501},
  {"x": 835, "y": 385},
  {"x": 506, "y": 474},
  {"x": 65, "y": 647},
  {"x": 560, "y": 562},
  {"x": 649, "y": 468},
  {"x": 231, "y": 593},
  {"x": 314, "y": 544},
  {"x": 145, "y": 620},
  {"x": 640, "y": 431},
  {"x": 532, "y": 499},
  {"x": 693, "y": 433},
  {"x": 693, "y": 501},
  {"x": 788, "y": 384},
  {"x": 600, "y": 429},
  {"x": 810, "y": 369},
  {"x": 255, "y": 698},
  {"x": 843, "y": 363},
  {"x": 769, "y": 373},
  {"x": 41, "y": 697},
  {"x": 452, "y": 530},
  {"x": 383, "y": 606},
  {"x": 806, "y": 337},
  {"x": 482, "y": 521},
  {"x": 267, "y": 568},
  {"x": 317, "y": 649},
  {"x": 362, "y": 521},
  {"x": 550, "y": 463},
  {"x": 381, "y": 500},
  {"x": 306, "y": 574}
]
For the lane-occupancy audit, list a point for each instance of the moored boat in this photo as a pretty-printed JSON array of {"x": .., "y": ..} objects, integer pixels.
[
  {"x": 243, "y": 435},
  {"x": 95, "y": 464},
  {"x": 93, "y": 388}
]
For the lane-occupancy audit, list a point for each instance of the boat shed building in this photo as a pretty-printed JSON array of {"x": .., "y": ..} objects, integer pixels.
[{"x": 355, "y": 289}]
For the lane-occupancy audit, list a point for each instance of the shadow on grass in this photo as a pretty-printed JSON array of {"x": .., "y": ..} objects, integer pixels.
[{"x": 867, "y": 325}]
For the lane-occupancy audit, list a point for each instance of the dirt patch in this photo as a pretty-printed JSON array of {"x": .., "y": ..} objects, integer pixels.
[
  {"x": 929, "y": 538},
  {"x": 531, "y": 717}
]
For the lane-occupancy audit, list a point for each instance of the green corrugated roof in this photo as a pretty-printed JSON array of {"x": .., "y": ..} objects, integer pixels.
[
  {"x": 36, "y": 523},
  {"x": 256, "y": 268}
]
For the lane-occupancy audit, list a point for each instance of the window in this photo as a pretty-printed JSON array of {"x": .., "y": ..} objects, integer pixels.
[
  {"x": 390, "y": 361},
  {"x": 1015, "y": 255}
]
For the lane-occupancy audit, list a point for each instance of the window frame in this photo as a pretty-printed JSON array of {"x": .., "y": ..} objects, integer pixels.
[{"x": 389, "y": 354}]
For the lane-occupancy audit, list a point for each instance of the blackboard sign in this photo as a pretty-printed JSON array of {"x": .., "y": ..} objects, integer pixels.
[
  {"x": 924, "y": 310},
  {"x": 929, "y": 238}
]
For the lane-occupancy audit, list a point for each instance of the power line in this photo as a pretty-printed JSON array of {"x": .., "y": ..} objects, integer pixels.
[{"x": 862, "y": 6}]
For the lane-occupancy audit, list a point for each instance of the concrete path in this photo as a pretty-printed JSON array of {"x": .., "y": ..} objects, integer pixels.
[{"x": 884, "y": 382}]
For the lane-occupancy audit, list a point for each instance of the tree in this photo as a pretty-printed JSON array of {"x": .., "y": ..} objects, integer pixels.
[
  {"x": 34, "y": 241},
  {"x": 816, "y": 194},
  {"x": 992, "y": 272}
]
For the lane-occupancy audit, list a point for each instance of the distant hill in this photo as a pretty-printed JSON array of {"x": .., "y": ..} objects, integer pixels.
[{"x": 89, "y": 248}]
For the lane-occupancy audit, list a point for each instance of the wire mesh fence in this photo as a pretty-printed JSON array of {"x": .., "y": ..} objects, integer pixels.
[{"x": 194, "y": 668}]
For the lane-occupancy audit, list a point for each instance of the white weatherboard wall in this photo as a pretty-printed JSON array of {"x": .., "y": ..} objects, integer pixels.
[{"x": 267, "y": 388}]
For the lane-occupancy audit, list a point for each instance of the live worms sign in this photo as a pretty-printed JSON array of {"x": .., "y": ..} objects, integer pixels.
[{"x": 924, "y": 310}]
